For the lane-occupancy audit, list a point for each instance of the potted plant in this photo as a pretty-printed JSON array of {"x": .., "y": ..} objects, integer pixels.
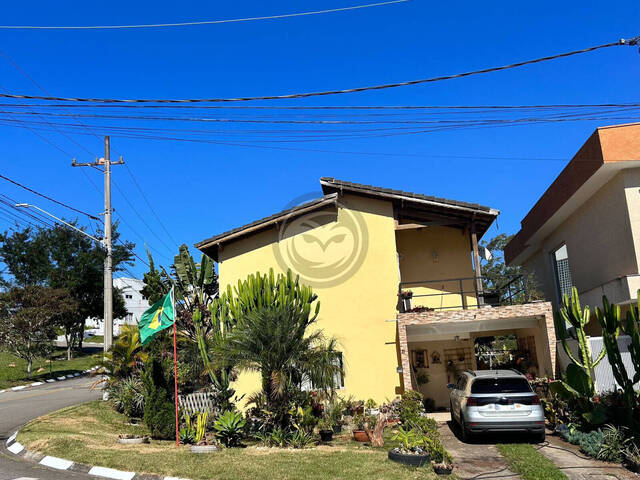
[
  {"x": 441, "y": 460},
  {"x": 130, "y": 439},
  {"x": 325, "y": 429},
  {"x": 203, "y": 444},
  {"x": 413, "y": 449},
  {"x": 359, "y": 433}
]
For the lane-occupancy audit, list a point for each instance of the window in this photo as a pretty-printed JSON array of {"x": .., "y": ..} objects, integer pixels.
[
  {"x": 128, "y": 296},
  {"x": 562, "y": 271},
  {"x": 129, "y": 317},
  {"x": 501, "y": 385}
]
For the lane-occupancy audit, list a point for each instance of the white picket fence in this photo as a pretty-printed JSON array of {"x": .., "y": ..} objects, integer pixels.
[{"x": 605, "y": 381}]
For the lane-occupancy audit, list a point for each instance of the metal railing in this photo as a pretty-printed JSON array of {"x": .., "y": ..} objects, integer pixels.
[{"x": 465, "y": 289}]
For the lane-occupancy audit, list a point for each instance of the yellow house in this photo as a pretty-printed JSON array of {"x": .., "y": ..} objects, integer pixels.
[{"x": 365, "y": 250}]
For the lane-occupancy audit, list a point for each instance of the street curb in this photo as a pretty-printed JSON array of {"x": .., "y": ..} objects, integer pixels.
[
  {"x": 46, "y": 381},
  {"x": 16, "y": 448}
]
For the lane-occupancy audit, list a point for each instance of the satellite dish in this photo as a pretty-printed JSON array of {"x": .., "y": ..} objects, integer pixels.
[{"x": 485, "y": 253}]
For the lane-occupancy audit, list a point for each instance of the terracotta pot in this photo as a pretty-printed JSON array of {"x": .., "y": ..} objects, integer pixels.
[{"x": 360, "y": 436}]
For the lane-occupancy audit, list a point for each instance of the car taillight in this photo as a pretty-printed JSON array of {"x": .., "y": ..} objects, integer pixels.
[{"x": 472, "y": 402}]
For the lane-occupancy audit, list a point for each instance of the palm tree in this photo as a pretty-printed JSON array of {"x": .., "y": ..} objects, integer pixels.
[{"x": 277, "y": 343}]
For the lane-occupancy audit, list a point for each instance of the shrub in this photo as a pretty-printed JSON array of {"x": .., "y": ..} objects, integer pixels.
[
  {"x": 279, "y": 437},
  {"x": 229, "y": 428},
  {"x": 439, "y": 453},
  {"x": 300, "y": 439},
  {"x": 591, "y": 443},
  {"x": 424, "y": 425},
  {"x": 132, "y": 398},
  {"x": 614, "y": 443},
  {"x": 410, "y": 406},
  {"x": 159, "y": 409}
]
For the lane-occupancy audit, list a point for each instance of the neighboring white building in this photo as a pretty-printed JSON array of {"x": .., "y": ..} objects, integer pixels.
[{"x": 134, "y": 302}]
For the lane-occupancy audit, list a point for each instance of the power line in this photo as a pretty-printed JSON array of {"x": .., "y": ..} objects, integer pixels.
[
  {"x": 48, "y": 198},
  {"x": 632, "y": 41},
  {"x": 195, "y": 23},
  {"x": 40, "y": 87},
  {"x": 144, "y": 196},
  {"x": 331, "y": 107}
]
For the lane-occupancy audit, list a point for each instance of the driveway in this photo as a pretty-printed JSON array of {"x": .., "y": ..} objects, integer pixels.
[
  {"x": 17, "y": 408},
  {"x": 479, "y": 460}
]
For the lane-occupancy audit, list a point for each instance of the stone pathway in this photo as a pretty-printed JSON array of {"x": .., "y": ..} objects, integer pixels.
[
  {"x": 577, "y": 466},
  {"x": 477, "y": 460}
]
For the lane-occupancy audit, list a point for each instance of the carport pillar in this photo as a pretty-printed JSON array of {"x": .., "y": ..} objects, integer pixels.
[{"x": 476, "y": 264}]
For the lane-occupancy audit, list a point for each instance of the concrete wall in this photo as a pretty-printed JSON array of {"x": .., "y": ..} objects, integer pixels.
[
  {"x": 436, "y": 253},
  {"x": 359, "y": 311},
  {"x": 603, "y": 241}
]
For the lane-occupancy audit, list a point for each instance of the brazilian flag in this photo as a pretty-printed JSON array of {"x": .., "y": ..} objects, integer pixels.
[{"x": 160, "y": 316}]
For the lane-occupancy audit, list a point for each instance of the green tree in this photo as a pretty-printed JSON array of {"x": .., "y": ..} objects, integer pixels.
[
  {"x": 25, "y": 256},
  {"x": 156, "y": 282},
  {"x": 27, "y": 319},
  {"x": 60, "y": 257},
  {"x": 275, "y": 335},
  {"x": 496, "y": 274}
]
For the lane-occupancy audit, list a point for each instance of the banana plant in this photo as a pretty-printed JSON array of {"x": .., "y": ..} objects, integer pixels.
[{"x": 571, "y": 313}]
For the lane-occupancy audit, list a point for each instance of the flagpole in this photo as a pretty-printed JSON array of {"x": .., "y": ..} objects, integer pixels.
[{"x": 175, "y": 366}]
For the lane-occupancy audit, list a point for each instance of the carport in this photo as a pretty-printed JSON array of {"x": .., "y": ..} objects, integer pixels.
[{"x": 437, "y": 345}]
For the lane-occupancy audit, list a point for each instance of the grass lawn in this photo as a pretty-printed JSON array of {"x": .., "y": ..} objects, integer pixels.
[
  {"x": 94, "y": 339},
  {"x": 524, "y": 459},
  {"x": 12, "y": 376},
  {"x": 88, "y": 434}
]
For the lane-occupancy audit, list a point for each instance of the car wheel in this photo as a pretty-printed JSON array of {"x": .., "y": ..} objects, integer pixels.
[
  {"x": 464, "y": 432},
  {"x": 539, "y": 437}
]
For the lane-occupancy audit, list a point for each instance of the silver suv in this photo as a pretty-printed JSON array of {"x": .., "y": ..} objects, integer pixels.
[{"x": 495, "y": 401}]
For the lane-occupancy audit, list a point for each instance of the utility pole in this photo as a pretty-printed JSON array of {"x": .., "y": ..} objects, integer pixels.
[{"x": 106, "y": 242}]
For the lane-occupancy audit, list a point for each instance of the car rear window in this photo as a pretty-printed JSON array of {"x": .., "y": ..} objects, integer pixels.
[{"x": 500, "y": 385}]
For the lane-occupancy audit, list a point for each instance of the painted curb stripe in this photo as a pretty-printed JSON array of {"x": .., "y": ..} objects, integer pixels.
[
  {"x": 36, "y": 384},
  {"x": 61, "y": 378},
  {"x": 12, "y": 438},
  {"x": 76, "y": 374},
  {"x": 18, "y": 387},
  {"x": 69, "y": 376},
  {"x": 16, "y": 448},
  {"x": 2, "y": 391},
  {"x": 111, "y": 473},
  {"x": 55, "y": 462},
  {"x": 50, "y": 380}
]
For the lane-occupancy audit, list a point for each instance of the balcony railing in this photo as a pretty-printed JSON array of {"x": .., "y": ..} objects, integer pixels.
[{"x": 459, "y": 293}]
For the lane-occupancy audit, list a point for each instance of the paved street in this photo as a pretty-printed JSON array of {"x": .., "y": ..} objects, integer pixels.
[{"x": 17, "y": 408}]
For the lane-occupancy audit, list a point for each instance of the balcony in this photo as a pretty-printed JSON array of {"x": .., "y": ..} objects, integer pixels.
[{"x": 460, "y": 293}]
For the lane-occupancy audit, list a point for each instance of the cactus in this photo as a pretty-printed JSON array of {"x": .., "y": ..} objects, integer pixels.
[
  {"x": 201, "y": 425},
  {"x": 570, "y": 312},
  {"x": 609, "y": 318},
  {"x": 612, "y": 326}
]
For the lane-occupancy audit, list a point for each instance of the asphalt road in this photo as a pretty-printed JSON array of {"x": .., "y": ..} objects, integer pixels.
[{"x": 17, "y": 408}]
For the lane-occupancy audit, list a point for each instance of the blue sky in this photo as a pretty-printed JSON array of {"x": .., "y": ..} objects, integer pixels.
[{"x": 200, "y": 189}]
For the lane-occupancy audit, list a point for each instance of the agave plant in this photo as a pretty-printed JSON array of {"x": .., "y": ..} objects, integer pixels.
[{"x": 229, "y": 428}]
